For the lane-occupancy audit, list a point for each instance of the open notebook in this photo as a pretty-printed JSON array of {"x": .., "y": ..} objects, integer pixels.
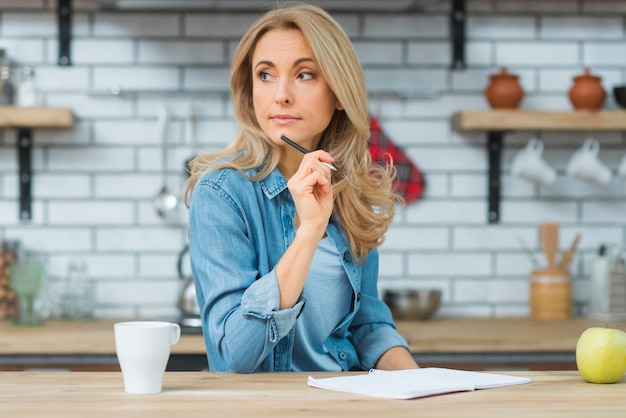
[{"x": 415, "y": 383}]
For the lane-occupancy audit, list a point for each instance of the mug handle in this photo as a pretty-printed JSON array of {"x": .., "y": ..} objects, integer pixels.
[
  {"x": 175, "y": 333},
  {"x": 535, "y": 146},
  {"x": 592, "y": 145},
  {"x": 622, "y": 167}
]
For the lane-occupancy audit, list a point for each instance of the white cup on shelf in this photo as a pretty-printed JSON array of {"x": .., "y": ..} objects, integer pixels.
[
  {"x": 143, "y": 349},
  {"x": 529, "y": 165},
  {"x": 586, "y": 165}
]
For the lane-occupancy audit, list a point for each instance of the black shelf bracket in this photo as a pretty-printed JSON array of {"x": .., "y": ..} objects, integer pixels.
[
  {"x": 494, "y": 155},
  {"x": 457, "y": 28},
  {"x": 24, "y": 149},
  {"x": 64, "y": 14}
]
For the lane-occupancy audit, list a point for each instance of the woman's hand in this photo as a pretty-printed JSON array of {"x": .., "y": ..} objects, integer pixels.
[
  {"x": 312, "y": 192},
  {"x": 396, "y": 358}
]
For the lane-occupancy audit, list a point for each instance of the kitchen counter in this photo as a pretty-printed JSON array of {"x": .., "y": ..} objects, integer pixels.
[
  {"x": 81, "y": 346},
  {"x": 498, "y": 343},
  {"x": 496, "y": 334},
  {"x": 475, "y": 344},
  {"x": 75, "y": 337},
  {"x": 202, "y": 394}
]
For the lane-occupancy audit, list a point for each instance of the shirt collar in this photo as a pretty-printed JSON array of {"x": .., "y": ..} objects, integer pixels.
[{"x": 273, "y": 184}]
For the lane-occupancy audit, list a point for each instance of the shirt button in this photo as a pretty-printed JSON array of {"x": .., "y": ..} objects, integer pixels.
[
  {"x": 358, "y": 296},
  {"x": 342, "y": 355},
  {"x": 347, "y": 257}
]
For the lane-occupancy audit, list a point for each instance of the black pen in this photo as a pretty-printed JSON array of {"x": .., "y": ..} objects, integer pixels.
[{"x": 304, "y": 150}]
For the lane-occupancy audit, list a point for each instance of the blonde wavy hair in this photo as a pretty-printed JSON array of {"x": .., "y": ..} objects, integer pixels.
[{"x": 364, "y": 197}]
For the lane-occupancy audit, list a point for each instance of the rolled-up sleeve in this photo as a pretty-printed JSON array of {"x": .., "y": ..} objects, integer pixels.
[{"x": 261, "y": 300}]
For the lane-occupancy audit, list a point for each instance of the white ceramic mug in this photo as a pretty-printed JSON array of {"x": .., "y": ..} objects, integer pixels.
[
  {"x": 585, "y": 164},
  {"x": 143, "y": 348},
  {"x": 528, "y": 164}
]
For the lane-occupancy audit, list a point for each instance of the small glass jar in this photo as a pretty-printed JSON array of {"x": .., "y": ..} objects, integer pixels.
[
  {"x": 78, "y": 292},
  {"x": 9, "y": 304}
]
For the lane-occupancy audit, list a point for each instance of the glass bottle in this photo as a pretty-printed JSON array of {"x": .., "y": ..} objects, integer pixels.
[
  {"x": 8, "y": 90},
  {"x": 26, "y": 90}
]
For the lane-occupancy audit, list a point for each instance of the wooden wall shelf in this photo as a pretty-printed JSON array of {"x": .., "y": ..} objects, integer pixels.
[
  {"x": 532, "y": 120},
  {"x": 497, "y": 122},
  {"x": 35, "y": 117},
  {"x": 25, "y": 119}
]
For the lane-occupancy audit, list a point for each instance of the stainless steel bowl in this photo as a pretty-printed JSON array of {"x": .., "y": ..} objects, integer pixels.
[{"x": 412, "y": 303}]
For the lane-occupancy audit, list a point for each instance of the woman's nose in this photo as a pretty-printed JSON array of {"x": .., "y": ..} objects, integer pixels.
[{"x": 283, "y": 93}]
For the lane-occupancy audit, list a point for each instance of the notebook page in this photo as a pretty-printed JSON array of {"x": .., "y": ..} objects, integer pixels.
[
  {"x": 479, "y": 380},
  {"x": 388, "y": 385}
]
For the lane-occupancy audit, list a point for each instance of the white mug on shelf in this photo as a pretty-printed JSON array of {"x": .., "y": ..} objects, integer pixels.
[
  {"x": 528, "y": 164},
  {"x": 143, "y": 348},
  {"x": 585, "y": 164}
]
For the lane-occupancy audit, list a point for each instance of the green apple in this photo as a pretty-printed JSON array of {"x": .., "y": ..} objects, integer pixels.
[{"x": 601, "y": 355}]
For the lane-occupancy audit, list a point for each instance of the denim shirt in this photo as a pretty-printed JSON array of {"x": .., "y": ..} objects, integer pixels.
[{"x": 239, "y": 230}]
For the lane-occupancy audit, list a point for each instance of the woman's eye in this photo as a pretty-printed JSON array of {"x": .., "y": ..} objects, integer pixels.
[
  {"x": 264, "y": 76},
  {"x": 305, "y": 76}
]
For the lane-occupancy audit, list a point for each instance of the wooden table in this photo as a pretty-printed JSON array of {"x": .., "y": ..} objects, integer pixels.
[
  {"x": 203, "y": 394},
  {"x": 466, "y": 343}
]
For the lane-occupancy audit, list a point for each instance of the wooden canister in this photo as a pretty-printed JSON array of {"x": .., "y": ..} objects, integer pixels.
[{"x": 550, "y": 294}]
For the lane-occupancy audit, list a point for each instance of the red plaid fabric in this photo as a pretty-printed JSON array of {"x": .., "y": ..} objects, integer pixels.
[{"x": 409, "y": 181}]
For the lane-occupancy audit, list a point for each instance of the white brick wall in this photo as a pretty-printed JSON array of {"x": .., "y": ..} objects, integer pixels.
[{"x": 93, "y": 185}]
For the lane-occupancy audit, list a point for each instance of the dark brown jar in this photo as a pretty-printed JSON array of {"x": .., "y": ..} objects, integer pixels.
[
  {"x": 587, "y": 92},
  {"x": 504, "y": 90}
]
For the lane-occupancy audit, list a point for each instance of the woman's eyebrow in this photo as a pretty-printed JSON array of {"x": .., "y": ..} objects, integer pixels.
[
  {"x": 301, "y": 60},
  {"x": 295, "y": 64},
  {"x": 263, "y": 62}
]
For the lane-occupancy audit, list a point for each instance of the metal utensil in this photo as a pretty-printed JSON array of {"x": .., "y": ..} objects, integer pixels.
[
  {"x": 528, "y": 251},
  {"x": 193, "y": 122},
  {"x": 165, "y": 202}
]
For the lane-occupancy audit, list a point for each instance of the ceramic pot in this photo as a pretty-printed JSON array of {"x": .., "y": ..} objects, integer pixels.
[
  {"x": 504, "y": 90},
  {"x": 587, "y": 92}
]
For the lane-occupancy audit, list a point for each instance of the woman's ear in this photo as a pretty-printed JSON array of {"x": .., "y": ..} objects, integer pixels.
[{"x": 338, "y": 106}]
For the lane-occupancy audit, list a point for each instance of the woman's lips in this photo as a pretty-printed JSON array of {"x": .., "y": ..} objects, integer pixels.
[{"x": 284, "y": 119}]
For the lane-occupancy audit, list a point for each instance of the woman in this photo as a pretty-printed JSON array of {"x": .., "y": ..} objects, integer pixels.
[{"x": 283, "y": 249}]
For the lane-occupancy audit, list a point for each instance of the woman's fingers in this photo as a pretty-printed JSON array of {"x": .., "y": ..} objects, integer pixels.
[{"x": 311, "y": 190}]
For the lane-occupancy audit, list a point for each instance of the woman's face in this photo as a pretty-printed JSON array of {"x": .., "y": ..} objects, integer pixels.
[{"x": 290, "y": 96}]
